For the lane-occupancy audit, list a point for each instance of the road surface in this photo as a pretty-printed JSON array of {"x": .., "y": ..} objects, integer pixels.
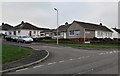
[{"x": 68, "y": 60}]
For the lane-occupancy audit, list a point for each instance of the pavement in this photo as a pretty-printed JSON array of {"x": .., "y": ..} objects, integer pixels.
[{"x": 68, "y": 60}]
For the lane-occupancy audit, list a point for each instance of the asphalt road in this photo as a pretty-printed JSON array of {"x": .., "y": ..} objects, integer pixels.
[{"x": 67, "y": 60}]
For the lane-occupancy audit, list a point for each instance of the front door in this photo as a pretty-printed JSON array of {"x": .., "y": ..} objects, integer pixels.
[
  {"x": 30, "y": 33},
  {"x": 14, "y": 33}
]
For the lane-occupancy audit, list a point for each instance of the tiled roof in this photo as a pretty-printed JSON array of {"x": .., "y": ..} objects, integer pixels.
[
  {"x": 6, "y": 27},
  {"x": 117, "y": 30},
  {"x": 29, "y": 26},
  {"x": 91, "y": 26},
  {"x": 46, "y": 30},
  {"x": 63, "y": 28},
  {"x": 26, "y": 25}
]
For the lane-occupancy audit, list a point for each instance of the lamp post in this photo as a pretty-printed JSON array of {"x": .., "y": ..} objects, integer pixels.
[{"x": 57, "y": 24}]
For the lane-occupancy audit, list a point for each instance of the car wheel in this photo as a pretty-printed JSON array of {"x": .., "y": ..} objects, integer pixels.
[
  {"x": 18, "y": 41},
  {"x": 24, "y": 41}
]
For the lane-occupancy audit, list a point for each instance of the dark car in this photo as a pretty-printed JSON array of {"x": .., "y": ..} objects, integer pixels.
[{"x": 11, "y": 38}]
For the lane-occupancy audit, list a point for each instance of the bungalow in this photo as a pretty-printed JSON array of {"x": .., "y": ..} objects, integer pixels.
[
  {"x": 26, "y": 28},
  {"x": 62, "y": 31},
  {"x": 46, "y": 33},
  {"x": 84, "y": 31},
  {"x": 6, "y": 29},
  {"x": 117, "y": 32}
]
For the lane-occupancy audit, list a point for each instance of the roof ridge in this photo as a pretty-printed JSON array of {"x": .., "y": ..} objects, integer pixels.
[{"x": 93, "y": 26}]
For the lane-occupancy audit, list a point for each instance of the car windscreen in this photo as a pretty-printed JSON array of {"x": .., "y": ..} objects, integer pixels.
[{"x": 25, "y": 37}]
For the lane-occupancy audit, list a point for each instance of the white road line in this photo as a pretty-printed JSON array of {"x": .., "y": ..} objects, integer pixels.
[
  {"x": 50, "y": 63},
  {"x": 115, "y": 51},
  {"x": 61, "y": 61},
  {"x": 86, "y": 71},
  {"x": 79, "y": 58},
  {"x": 107, "y": 53},
  {"x": 38, "y": 66},
  {"x": 87, "y": 56},
  {"x": 81, "y": 73},
  {"x": 70, "y": 59},
  {"x": 110, "y": 52},
  {"x": 21, "y": 69},
  {"x": 101, "y": 53}
]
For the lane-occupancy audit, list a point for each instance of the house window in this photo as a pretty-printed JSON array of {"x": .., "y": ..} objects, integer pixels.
[
  {"x": 99, "y": 33},
  {"x": 61, "y": 34},
  {"x": 77, "y": 32},
  {"x": 106, "y": 33},
  {"x": 74, "y": 32},
  {"x": 19, "y": 32},
  {"x": 55, "y": 33},
  {"x": 10, "y": 33},
  {"x": 34, "y": 32},
  {"x": 71, "y": 32},
  {"x": 109, "y": 34},
  {"x": 5, "y": 33}
]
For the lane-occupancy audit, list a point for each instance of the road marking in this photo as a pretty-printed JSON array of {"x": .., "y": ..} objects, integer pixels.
[
  {"x": 79, "y": 58},
  {"x": 100, "y": 53},
  {"x": 86, "y": 71},
  {"x": 111, "y": 52},
  {"x": 70, "y": 59},
  {"x": 115, "y": 51},
  {"x": 50, "y": 63},
  {"x": 107, "y": 52},
  {"x": 81, "y": 73},
  {"x": 61, "y": 61},
  {"x": 87, "y": 56},
  {"x": 21, "y": 69},
  {"x": 38, "y": 66}
]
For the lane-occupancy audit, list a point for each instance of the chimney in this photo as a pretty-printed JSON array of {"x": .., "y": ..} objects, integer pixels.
[
  {"x": 22, "y": 22},
  {"x": 101, "y": 24},
  {"x": 66, "y": 23},
  {"x": 3, "y": 23}
]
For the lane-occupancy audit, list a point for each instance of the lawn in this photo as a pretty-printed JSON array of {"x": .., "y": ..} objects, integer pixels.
[
  {"x": 68, "y": 43},
  {"x": 12, "y": 53}
]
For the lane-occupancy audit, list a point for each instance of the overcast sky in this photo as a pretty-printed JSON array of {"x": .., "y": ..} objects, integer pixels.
[{"x": 42, "y": 14}]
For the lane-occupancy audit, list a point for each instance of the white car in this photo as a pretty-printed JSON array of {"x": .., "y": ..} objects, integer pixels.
[
  {"x": 35, "y": 36},
  {"x": 24, "y": 39}
]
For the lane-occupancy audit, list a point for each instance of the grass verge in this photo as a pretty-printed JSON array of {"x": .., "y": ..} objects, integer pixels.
[
  {"x": 12, "y": 53},
  {"x": 67, "y": 43},
  {"x": 93, "y": 45}
]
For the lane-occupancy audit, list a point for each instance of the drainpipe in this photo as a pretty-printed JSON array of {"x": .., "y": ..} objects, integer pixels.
[{"x": 84, "y": 35}]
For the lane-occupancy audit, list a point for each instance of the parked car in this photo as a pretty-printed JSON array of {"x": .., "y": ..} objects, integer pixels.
[
  {"x": 11, "y": 38},
  {"x": 36, "y": 37},
  {"x": 14, "y": 38},
  {"x": 25, "y": 39}
]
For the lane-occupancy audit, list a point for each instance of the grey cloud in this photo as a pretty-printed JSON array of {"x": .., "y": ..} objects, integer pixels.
[{"x": 42, "y": 13}]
